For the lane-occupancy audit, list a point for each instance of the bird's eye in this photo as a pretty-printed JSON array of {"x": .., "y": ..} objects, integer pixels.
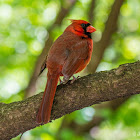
[{"x": 83, "y": 25}]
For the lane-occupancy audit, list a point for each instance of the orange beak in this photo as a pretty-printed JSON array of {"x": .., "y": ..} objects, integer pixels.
[{"x": 90, "y": 29}]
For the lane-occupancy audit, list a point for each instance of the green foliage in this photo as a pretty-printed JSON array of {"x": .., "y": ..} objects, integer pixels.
[{"x": 23, "y": 30}]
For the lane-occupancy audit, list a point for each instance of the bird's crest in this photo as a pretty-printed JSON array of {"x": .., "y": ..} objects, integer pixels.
[{"x": 78, "y": 21}]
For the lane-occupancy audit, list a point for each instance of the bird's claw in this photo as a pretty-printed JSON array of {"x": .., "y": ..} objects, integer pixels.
[
  {"x": 64, "y": 81},
  {"x": 74, "y": 78}
]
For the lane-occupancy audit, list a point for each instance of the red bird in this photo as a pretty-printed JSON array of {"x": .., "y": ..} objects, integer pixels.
[{"x": 69, "y": 54}]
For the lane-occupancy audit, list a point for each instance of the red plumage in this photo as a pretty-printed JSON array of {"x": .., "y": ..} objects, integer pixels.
[{"x": 69, "y": 54}]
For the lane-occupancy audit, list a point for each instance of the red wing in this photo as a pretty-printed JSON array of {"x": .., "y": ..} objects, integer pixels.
[{"x": 76, "y": 58}]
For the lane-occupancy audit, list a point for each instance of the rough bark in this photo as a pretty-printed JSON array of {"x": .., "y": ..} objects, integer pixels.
[{"x": 18, "y": 117}]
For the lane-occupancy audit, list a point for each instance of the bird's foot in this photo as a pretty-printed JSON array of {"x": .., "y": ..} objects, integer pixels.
[
  {"x": 74, "y": 78},
  {"x": 65, "y": 79}
]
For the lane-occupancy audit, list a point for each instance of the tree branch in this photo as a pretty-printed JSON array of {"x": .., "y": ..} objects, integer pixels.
[
  {"x": 18, "y": 117},
  {"x": 91, "y": 11},
  {"x": 110, "y": 28}
]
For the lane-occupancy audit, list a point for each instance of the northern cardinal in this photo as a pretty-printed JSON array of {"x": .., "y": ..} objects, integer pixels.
[{"x": 69, "y": 54}]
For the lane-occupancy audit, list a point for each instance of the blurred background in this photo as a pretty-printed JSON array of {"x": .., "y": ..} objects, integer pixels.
[{"x": 27, "y": 30}]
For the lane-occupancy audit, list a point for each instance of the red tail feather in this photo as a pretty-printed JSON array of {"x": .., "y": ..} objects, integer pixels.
[{"x": 47, "y": 101}]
